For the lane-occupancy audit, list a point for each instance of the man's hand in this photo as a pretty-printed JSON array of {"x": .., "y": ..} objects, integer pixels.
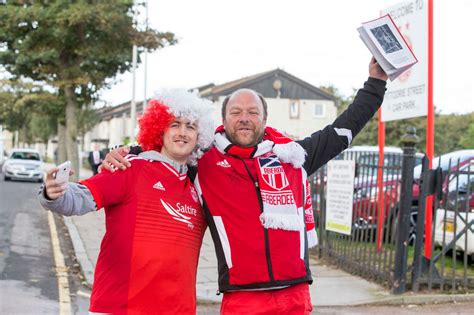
[
  {"x": 115, "y": 159},
  {"x": 53, "y": 189},
  {"x": 375, "y": 71}
]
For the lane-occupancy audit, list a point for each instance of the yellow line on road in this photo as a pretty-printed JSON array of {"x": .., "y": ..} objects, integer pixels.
[
  {"x": 84, "y": 294},
  {"x": 61, "y": 271}
]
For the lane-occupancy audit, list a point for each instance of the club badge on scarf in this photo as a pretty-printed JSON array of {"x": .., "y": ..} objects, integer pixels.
[{"x": 279, "y": 206}]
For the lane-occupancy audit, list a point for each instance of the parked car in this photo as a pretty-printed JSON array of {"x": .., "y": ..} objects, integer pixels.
[
  {"x": 457, "y": 209},
  {"x": 366, "y": 203},
  {"x": 448, "y": 164},
  {"x": 445, "y": 162},
  {"x": 366, "y": 196},
  {"x": 23, "y": 164},
  {"x": 366, "y": 190},
  {"x": 367, "y": 158}
]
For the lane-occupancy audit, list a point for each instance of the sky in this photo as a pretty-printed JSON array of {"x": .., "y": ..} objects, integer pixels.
[{"x": 317, "y": 41}]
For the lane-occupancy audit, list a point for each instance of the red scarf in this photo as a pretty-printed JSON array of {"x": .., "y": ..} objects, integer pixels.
[{"x": 279, "y": 208}]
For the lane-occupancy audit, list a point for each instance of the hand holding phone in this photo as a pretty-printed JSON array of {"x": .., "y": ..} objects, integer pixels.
[{"x": 62, "y": 175}]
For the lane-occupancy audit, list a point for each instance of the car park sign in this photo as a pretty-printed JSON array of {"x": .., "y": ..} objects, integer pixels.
[{"x": 406, "y": 97}]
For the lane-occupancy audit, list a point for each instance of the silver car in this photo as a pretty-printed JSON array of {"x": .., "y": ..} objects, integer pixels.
[{"x": 25, "y": 164}]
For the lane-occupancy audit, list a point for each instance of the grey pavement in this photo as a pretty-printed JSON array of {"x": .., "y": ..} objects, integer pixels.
[{"x": 331, "y": 286}]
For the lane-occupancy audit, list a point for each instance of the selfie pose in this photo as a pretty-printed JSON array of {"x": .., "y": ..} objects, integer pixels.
[{"x": 154, "y": 222}]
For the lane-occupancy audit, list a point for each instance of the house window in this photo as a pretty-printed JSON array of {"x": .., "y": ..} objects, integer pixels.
[
  {"x": 294, "y": 110},
  {"x": 318, "y": 110}
]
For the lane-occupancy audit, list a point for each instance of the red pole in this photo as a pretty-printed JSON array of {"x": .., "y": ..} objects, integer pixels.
[
  {"x": 429, "y": 131},
  {"x": 380, "y": 203}
]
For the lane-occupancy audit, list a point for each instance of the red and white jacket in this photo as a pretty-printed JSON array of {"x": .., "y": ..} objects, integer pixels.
[{"x": 251, "y": 256}]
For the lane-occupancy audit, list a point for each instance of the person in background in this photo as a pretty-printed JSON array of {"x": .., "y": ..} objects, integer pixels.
[{"x": 95, "y": 158}]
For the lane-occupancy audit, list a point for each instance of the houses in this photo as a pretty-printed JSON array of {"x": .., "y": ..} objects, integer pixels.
[{"x": 294, "y": 106}]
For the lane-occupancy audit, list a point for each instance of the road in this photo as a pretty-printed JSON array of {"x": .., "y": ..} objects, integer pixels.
[
  {"x": 28, "y": 281},
  {"x": 29, "y": 278}
]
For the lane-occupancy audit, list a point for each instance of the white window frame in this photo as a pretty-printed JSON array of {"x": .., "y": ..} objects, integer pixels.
[
  {"x": 292, "y": 114},
  {"x": 323, "y": 111}
]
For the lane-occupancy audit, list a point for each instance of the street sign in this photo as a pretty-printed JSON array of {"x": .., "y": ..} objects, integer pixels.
[{"x": 406, "y": 97}]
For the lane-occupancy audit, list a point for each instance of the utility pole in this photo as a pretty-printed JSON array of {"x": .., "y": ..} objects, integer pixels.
[
  {"x": 145, "y": 60},
  {"x": 133, "y": 105},
  {"x": 1, "y": 144}
]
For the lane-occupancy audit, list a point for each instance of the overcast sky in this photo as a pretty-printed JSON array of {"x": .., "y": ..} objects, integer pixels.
[{"x": 317, "y": 41}]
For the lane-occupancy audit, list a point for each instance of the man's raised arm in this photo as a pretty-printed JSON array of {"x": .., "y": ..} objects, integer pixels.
[{"x": 327, "y": 143}]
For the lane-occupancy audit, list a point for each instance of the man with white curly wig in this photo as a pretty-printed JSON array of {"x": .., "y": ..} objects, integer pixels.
[{"x": 154, "y": 221}]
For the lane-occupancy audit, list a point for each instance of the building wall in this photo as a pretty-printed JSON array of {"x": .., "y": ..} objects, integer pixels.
[
  {"x": 305, "y": 122},
  {"x": 109, "y": 133},
  {"x": 6, "y": 137}
]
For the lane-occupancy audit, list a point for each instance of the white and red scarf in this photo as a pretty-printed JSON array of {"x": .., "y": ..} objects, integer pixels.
[{"x": 280, "y": 210}]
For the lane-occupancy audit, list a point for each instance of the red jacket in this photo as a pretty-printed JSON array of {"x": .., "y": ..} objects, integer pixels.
[{"x": 250, "y": 256}]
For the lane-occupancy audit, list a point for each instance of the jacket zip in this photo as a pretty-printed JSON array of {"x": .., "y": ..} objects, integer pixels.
[{"x": 265, "y": 230}]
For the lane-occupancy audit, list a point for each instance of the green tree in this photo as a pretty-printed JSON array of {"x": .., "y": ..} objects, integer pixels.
[
  {"x": 87, "y": 118},
  {"x": 452, "y": 132},
  {"x": 30, "y": 110},
  {"x": 341, "y": 102},
  {"x": 467, "y": 138},
  {"x": 449, "y": 130},
  {"x": 72, "y": 46},
  {"x": 42, "y": 127},
  {"x": 11, "y": 117},
  {"x": 467, "y": 141}
]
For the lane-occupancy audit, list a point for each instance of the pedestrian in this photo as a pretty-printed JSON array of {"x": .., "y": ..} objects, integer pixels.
[
  {"x": 255, "y": 193},
  {"x": 95, "y": 158},
  {"x": 154, "y": 222}
]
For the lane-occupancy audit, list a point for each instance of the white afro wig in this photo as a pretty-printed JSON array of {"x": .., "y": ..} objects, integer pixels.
[{"x": 190, "y": 105}]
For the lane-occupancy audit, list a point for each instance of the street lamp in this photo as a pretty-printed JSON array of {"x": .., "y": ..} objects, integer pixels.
[{"x": 145, "y": 62}]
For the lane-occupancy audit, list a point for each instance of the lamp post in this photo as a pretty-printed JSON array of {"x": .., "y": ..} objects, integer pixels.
[
  {"x": 145, "y": 61},
  {"x": 133, "y": 105}
]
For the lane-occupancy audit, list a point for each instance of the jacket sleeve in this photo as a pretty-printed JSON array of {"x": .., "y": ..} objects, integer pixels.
[
  {"x": 325, "y": 144},
  {"x": 77, "y": 200},
  {"x": 135, "y": 150}
]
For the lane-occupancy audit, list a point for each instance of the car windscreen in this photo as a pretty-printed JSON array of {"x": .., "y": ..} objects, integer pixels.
[
  {"x": 32, "y": 156},
  {"x": 368, "y": 164},
  {"x": 463, "y": 179},
  {"x": 446, "y": 161}
]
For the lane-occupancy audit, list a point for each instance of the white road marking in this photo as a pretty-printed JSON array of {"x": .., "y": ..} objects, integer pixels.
[{"x": 61, "y": 271}]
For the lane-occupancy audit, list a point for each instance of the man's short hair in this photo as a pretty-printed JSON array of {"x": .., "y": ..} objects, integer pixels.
[{"x": 260, "y": 96}]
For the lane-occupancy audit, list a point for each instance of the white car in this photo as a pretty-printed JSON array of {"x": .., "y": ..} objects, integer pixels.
[
  {"x": 449, "y": 225},
  {"x": 25, "y": 164}
]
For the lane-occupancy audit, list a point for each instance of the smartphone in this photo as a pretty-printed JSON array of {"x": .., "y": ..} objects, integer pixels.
[{"x": 62, "y": 175}]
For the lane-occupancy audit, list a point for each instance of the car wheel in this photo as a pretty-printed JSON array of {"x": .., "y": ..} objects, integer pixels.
[{"x": 6, "y": 178}]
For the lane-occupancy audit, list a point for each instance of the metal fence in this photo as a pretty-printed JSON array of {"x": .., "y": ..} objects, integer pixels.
[
  {"x": 447, "y": 260},
  {"x": 370, "y": 248},
  {"x": 387, "y": 244}
]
